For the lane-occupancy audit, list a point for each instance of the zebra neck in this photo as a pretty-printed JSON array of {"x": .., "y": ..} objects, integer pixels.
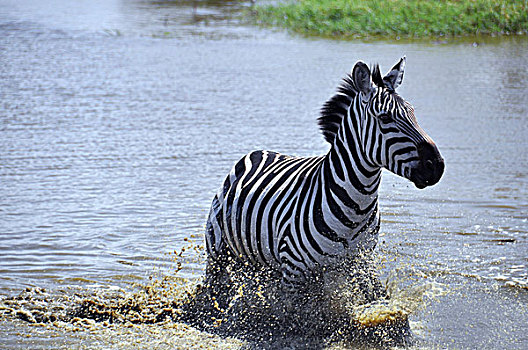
[{"x": 349, "y": 182}]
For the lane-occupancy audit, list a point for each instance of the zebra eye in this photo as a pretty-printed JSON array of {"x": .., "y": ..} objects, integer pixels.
[{"x": 384, "y": 117}]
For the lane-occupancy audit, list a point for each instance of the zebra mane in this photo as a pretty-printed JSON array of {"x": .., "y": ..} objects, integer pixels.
[{"x": 335, "y": 109}]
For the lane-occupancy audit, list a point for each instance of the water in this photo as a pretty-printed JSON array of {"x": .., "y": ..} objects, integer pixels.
[{"x": 119, "y": 120}]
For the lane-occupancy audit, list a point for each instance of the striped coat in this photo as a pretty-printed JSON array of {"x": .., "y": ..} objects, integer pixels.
[{"x": 298, "y": 214}]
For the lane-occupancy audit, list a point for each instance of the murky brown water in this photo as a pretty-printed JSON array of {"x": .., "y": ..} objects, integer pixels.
[{"x": 120, "y": 118}]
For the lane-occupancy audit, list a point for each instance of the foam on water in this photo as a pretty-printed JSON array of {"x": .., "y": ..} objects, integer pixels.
[{"x": 402, "y": 304}]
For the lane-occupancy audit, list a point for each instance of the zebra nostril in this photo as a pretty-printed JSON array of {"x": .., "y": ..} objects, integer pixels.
[{"x": 429, "y": 165}]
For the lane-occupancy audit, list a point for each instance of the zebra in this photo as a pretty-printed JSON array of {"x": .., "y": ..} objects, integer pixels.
[{"x": 298, "y": 215}]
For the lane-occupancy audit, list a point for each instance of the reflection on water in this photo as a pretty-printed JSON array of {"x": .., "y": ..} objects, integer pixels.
[
  {"x": 118, "y": 120},
  {"x": 181, "y": 19}
]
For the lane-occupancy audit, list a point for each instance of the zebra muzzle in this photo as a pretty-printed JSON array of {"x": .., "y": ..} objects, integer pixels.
[{"x": 430, "y": 167}]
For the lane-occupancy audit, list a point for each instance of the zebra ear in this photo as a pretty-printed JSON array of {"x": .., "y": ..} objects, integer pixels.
[
  {"x": 362, "y": 77},
  {"x": 394, "y": 77}
]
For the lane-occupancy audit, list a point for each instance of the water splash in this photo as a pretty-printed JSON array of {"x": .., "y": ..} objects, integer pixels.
[
  {"x": 350, "y": 309},
  {"x": 403, "y": 302}
]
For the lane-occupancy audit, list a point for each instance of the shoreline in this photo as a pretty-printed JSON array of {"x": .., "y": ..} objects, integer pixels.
[{"x": 397, "y": 19}]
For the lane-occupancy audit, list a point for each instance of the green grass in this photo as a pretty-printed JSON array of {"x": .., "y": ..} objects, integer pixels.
[{"x": 407, "y": 18}]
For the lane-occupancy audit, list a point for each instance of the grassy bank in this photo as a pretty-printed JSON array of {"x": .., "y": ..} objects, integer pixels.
[{"x": 408, "y": 18}]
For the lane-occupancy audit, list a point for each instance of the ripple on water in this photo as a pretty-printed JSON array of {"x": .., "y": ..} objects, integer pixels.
[{"x": 113, "y": 142}]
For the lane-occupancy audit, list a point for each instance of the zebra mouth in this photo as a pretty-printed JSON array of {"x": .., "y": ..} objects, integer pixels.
[
  {"x": 412, "y": 175},
  {"x": 415, "y": 178},
  {"x": 420, "y": 185},
  {"x": 407, "y": 173},
  {"x": 427, "y": 175}
]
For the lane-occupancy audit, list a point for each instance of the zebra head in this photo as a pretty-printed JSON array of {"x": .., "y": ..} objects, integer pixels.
[{"x": 390, "y": 135}]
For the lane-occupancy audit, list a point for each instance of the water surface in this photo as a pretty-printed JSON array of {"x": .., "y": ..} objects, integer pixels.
[{"x": 119, "y": 120}]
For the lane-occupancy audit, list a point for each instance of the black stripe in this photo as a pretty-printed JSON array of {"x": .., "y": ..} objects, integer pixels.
[
  {"x": 336, "y": 162},
  {"x": 353, "y": 152},
  {"x": 297, "y": 163},
  {"x": 349, "y": 202},
  {"x": 256, "y": 160},
  {"x": 228, "y": 204},
  {"x": 352, "y": 177},
  {"x": 251, "y": 205},
  {"x": 302, "y": 216},
  {"x": 305, "y": 215},
  {"x": 320, "y": 223},
  {"x": 334, "y": 207},
  {"x": 367, "y": 224},
  {"x": 394, "y": 141}
]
